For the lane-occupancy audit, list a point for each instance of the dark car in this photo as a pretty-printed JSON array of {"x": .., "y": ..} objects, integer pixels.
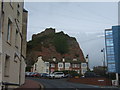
[{"x": 90, "y": 74}]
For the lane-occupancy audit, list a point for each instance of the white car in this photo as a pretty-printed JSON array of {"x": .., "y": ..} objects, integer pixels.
[{"x": 57, "y": 75}]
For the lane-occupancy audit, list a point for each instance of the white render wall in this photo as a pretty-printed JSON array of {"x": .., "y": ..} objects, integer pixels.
[
  {"x": 83, "y": 68},
  {"x": 40, "y": 66}
]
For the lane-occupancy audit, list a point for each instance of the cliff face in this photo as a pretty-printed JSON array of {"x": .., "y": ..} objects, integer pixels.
[{"x": 50, "y": 44}]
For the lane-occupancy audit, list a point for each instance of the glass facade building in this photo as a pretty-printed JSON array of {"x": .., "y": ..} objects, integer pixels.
[
  {"x": 110, "y": 50},
  {"x": 112, "y": 43}
]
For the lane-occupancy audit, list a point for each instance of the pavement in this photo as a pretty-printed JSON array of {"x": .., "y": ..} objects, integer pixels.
[
  {"x": 35, "y": 84},
  {"x": 61, "y": 84},
  {"x": 31, "y": 84}
]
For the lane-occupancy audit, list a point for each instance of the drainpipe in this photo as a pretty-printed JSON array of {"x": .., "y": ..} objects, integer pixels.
[
  {"x": 20, "y": 62},
  {"x": 1, "y": 16}
]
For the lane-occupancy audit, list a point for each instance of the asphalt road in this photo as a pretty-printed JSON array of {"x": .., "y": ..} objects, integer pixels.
[{"x": 62, "y": 83}]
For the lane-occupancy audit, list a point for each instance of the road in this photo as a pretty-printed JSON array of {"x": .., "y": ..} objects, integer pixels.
[{"x": 61, "y": 83}]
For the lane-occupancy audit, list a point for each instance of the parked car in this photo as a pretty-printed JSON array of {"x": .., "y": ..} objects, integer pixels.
[
  {"x": 31, "y": 73},
  {"x": 67, "y": 76},
  {"x": 57, "y": 75},
  {"x": 35, "y": 74},
  {"x": 90, "y": 74},
  {"x": 44, "y": 75},
  {"x": 27, "y": 74}
]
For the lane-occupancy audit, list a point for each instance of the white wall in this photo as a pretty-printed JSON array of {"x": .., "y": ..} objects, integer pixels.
[{"x": 40, "y": 66}]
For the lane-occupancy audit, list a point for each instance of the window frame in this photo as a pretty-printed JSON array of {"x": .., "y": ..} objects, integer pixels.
[{"x": 9, "y": 31}]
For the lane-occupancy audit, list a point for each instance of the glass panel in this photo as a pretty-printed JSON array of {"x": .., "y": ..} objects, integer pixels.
[{"x": 111, "y": 67}]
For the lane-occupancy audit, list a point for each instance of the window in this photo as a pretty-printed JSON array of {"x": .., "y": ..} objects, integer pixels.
[
  {"x": 83, "y": 65},
  {"x": 78, "y": 71},
  {"x": 109, "y": 32},
  {"x": 52, "y": 65},
  {"x": 47, "y": 64},
  {"x": 109, "y": 36},
  {"x": 110, "y": 56},
  {"x": 60, "y": 65},
  {"x": 67, "y": 65},
  {"x": 7, "y": 66},
  {"x": 15, "y": 58},
  {"x": 16, "y": 39},
  {"x": 111, "y": 61},
  {"x": 18, "y": 5},
  {"x": 111, "y": 68},
  {"x": 74, "y": 59},
  {"x": 47, "y": 70},
  {"x": 9, "y": 31},
  {"x": 75, "y": 65},
  {"x": 18, "y": 15}
]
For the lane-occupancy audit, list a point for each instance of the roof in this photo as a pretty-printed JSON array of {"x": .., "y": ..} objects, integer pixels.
[{"x": 24, "y": 10}]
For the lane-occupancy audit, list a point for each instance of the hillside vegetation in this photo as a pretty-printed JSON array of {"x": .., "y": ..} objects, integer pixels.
[{"x": 50, "y": 44}]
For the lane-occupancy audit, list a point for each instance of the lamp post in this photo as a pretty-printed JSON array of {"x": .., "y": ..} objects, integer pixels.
[
  {"x": 103, "y": 50},
  {"x": 63, "y": 60},
  {"x": 87, "y": 60}
]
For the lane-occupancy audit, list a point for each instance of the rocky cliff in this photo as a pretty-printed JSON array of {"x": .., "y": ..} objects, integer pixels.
[{"x": 50, "y": 44}]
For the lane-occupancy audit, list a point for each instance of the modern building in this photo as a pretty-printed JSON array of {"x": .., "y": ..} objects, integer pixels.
[
  {"x": 13, "y": 29},
  {"x": 49, "y": 66},
  {"x": 110, "y": 56},
  {"x": 112, "y": 41}
]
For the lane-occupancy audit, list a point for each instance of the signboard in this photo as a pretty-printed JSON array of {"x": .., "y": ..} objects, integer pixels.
[{"x": 114, "y": 82}]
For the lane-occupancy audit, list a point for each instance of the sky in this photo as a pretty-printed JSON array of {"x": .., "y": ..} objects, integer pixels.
[{"x": 86, "y": 21}]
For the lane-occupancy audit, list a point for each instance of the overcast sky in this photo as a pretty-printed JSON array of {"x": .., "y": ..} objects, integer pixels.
[{"x": 86, "y": 21}]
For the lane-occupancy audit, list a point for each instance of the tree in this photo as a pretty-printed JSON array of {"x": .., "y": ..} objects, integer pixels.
[
  {"x": 100, "y": 70},
  {"x": 61, "y": 44}
]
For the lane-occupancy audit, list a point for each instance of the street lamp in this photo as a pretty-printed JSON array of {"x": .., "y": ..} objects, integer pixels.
[
  {"x": 103, "y": 50},
  {"x": 63, "y": 60},
  {"x": 87, "y": 60}
]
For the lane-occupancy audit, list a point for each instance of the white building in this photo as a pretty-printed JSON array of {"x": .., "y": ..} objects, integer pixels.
[
  {"x": 83, "y": 68},
  {"x": 40, "y": 66}
]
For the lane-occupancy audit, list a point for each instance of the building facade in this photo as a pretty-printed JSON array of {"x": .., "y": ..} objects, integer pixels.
[
  {"x": 42, "y": 66},
  {"x": 13, "y": 29},
  {"x": 112, "y": 41}
]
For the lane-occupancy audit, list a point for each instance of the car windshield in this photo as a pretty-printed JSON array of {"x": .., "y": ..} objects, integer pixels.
[{"x": 58, "y": 73}]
